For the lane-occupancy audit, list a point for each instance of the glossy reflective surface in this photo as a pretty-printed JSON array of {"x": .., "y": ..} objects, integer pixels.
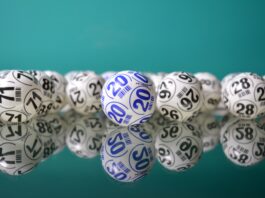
[{"x": 162, "y": 157}]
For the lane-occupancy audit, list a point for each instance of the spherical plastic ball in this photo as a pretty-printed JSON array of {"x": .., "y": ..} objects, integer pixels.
[
  {"x": 244, "y": 95},
  {"x": 20, "y": 96},
  {"x": 128, "y": 98},
  {"x": 83, "y": 92},
  {"x": 128, "y": 153},
  {"x": 179, "y": 96}
]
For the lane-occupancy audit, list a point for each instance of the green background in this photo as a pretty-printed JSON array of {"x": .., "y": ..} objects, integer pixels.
[{"x": 208, "y": 35}]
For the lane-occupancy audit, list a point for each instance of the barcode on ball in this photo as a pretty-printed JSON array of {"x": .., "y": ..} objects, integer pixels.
[
  {"x": 18, "y": 94},
  {"x": 124, "y": 91}
]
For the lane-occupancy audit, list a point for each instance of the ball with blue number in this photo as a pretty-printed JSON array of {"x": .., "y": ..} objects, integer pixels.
[
  {"x": 20, "y": 149},
  {"x": 83, "y": 92},
  {"x": 179, "y": 146},
  {"x": 244, "y": 95},
  {"x": 179, "y": 96},
  {"x": 128, "y": 153},
  {"x": 20, "y": 96},
  {"x": 243, "y": 142},
  {"x": 128, "y": 98}
]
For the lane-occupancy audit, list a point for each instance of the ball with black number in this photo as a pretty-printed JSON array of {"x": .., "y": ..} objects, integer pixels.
[
  {"x": 244, "y": 95},
  {"x": 128, "y": 153},
  {"x": 179, "y": 146},
  {"x": 59, "y": 86},
  {"x": 83, "y": 92},
  {"x": 179, "y": 96},
  {"x": 156, "y": 78},
  {"x": 210, "y": 129},
  {"x": 128, "y": 98},
  {"x": 48, "y": 91},
  {"x": 211, "y": 89},
  {"x": 20, "y": 149},
  {"x": 20, "y": 96},
  {"x": 243, "y": 142},
  {"x": 84, "y": 136}
]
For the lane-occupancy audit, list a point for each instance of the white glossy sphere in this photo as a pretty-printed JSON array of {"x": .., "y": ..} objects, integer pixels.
[
  {"x": 84, "y": 136},
  {"x": 243, "y": 142},
  {"x": 210, "y": 129},
  {"x": 108, "y": 74},
  {"x": 244, "y": 95},
  {"x": 21, "y": 151},
  {"x": 83, "y": 92},
  {"x": 127, "y": 153},
  {"x": 179, "y": 96},
  {"x": 211, "y": 88},
  {"x": 226, "y": 79},
  {"x": 156, "y": 79},
  {"x": 178, "y": 146},
  {"x": 128, "y": 98},
  {"x": 59, "y": 86},
  {"x": 20, "y": 96},
  {"x": 48, "y": 90}
]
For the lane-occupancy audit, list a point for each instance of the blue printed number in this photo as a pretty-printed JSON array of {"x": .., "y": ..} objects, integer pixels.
[
  {"x": 116, "y": 113},
  {"x": 116, "y": 144},
  {"x": 120, "y": 80},
  {"x": 143, "y": 96},
  {"x": 141, "y": 158},
  {"x": 138, "y": 131},
  {"x": 141, "y": 77},
  {"x": 118, "y": 176}
]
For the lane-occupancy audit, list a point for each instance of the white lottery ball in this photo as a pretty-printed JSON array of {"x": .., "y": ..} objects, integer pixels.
[
  {"x": 243, "y": 142},
  {"x": 128, "y": 98},
  {"x": 21, "y": 149},
  {"x": 211, "y": 89},
  {"x": 59, "y": 86},
  {"x": 127, "y": 153},
  {"x": 84, "y": 136},
  {"x": 156, "y": 79},
  {"x": 48, "y": 90},
  {"x": 83, "y": 93},
  {"x": 210, "y": 128},
  {"x": 244, "y": 95},
  {"x": 179, "y": 96},
  {"x": 107, "y": 75},
  {"x": 20, "y": 96},
  {"x": 179, "y": 146}
]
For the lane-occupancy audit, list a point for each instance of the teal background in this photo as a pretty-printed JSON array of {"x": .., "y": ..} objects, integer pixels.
[{"x": 208, "y": 35}]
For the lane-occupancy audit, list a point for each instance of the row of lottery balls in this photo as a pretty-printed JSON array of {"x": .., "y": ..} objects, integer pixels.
[{"x": 130, "y": 97}]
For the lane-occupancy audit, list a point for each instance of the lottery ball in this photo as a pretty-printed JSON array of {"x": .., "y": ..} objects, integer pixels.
[
  {"x": 156, "y": 79},
  {"x": 108, "y": 74},
  {"x": 211, "y": 89},
  {"x": 84, "y": 137},
  {"x": 83, "y": 92},
  {"x": 244, "y": 95},
  {"x": 48, "y": 91},
  {"x": 70, "y": 75},
  {"x": 20, "y": 96},
  {"x": 179, "y": 96},
  {"x": 21, "y": 149},
  {"x": 210, "y": 129},
  {"x": 128, "y": 153},
  {"x": 179, "y": 146},
  {"x": 243, "y": 142},
  {"x": 59, "y": 85},
  {"x": 128, "y": 98}
]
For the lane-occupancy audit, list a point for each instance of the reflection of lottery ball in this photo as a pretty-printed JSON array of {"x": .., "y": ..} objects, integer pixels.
[
  {"x": 84, "y": 136},
  {"x": 83, "y": 92},
  {"x": 210, "y": 129},
  {"x": 243, "y": 142},
  {"x": 244, "y": 95},
  {"x": 178, "y": 146},
  {"x": 127, "y": 153},
  {"x": 20, "y": 96},
  {"x": 128, "y": 98},
  {"x": 48, "y": 90},
  {"x": 59, "y": 86},
  {"x": 211, "y": 88},
  {"x": 21, "y": 149},
  {"x": 179, "y": 96},
  {"x": 107, "y": 75}
]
